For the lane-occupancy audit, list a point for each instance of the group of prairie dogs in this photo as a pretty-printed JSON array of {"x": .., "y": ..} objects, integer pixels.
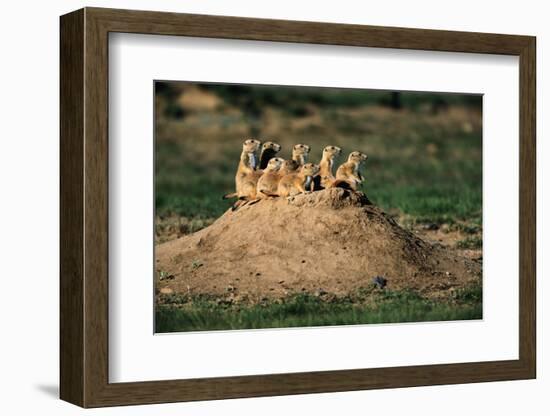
[{"x": 277, "y": 177}]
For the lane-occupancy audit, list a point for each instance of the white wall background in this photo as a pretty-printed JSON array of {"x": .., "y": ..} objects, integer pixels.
[{"x": 29, "y": 158}]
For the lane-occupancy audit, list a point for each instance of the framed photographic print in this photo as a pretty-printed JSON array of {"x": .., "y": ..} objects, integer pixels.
[{"x": 256, "y": 207}]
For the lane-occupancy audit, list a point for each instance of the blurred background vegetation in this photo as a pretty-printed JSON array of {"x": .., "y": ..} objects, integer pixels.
[{"x": 425, "y": 149}]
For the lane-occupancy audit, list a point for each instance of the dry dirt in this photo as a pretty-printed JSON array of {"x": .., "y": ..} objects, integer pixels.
[{"x": 327, "y": 242}]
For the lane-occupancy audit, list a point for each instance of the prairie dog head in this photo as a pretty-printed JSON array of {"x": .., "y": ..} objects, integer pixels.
[
  {"x": 310, "y": 169},
  {"x": 276, "y": 147},
  {"x": 331, "y": 152},
  {"x": 251, "y": 145},
  {"x": 274, "y": 164},
  {"x": 289, "y": 166},
  {"x": 300, "y": 151},
  {"x": 357, "y": 157}
]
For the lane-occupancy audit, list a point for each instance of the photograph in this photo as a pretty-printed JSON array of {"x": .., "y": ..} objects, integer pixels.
[
  {"x": 297, "y": 206},
  {"x": 266, "y": 208}
]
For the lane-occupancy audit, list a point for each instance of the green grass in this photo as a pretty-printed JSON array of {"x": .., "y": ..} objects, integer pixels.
[
  {"x": 439, "y": 190},
  {"x": 470, "y": 243},
  {"x": 304, "y": 310},
  {"x": 187, "y": 187},
  {"x": 423, "y": 164},
  {"x": 438, "y": 185},
  {"x": 295, "y": 100}
]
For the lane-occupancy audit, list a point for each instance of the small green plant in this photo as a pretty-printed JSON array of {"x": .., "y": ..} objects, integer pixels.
[
  {"x": 470, "y": 243},
  {"x": 468, "y": 228},
  {"x": 196, "y": 264},
  {"x": 470, "y": 294}
]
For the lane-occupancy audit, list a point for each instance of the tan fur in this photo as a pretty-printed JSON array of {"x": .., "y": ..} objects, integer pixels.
[
  {"x": 288, "y": 166},
  {"x": 330, "y": 153},
  {"x": 248, "y": 186},
  {"x": 300, "y": 153},
  {"x": 348, "y": 173},
  {"x": 269, "y": 181},
  {"x": 246, "y": 170},
  {"x": 297, "y": 182}
]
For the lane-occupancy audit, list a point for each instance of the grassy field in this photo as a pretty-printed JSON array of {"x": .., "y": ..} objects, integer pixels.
[
  {"x": 424, "y": 169},
  {"x": 203, "y": 313}
]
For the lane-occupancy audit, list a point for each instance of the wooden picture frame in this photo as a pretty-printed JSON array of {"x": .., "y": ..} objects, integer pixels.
[{"x": 84, "y": 207}]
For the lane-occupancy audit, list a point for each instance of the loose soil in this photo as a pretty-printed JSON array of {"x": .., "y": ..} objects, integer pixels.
[{"x": 326, "y": 242}]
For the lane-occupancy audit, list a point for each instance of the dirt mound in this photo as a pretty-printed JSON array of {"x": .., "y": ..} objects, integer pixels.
[{"x": 326, "y": 242}]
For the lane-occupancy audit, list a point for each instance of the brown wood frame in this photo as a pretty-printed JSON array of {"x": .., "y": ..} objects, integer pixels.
[{"x": 84, "y": 208}]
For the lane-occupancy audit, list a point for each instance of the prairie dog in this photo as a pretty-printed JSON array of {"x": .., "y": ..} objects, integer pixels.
[
  {"x": 326, "y": 177},
  {"x": 248, "y": 186},
  {"x": 297, "y": 182},
  {"x": 269, "y": 181},
  {"x": 269, "y": 150},
  {"x": 247, "y": 166},
  {"x": 348, "y": 173},
  {"x": 300, "y": 153},
  {"x": 287, "y": 167},
  {"x": 327, "y": 163}
]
